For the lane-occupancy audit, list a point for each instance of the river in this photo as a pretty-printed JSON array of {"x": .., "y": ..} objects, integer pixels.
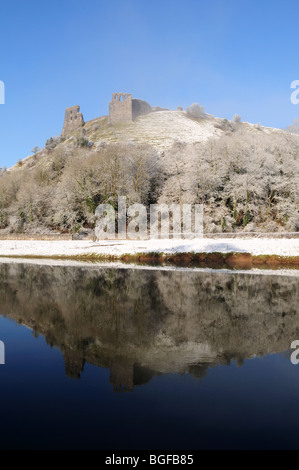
[{"x": 129, "y": 358}]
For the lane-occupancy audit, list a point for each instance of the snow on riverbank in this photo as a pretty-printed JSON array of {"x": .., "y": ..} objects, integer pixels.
[{"x": 257, "y": 246}]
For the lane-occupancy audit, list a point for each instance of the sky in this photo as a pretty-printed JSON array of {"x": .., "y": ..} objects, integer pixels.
[{"x": 230, "y": 56}]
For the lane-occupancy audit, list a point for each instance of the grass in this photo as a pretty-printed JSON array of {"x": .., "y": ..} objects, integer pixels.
[{"x": 216, "y": 260}]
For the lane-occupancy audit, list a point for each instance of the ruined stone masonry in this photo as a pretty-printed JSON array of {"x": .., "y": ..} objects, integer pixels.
[
  {"x": 124, "y": 109},
  {"x": 120, "y": 108},
  {"x": 73, "y": 120},
  {"x": 140, "y": 108}
]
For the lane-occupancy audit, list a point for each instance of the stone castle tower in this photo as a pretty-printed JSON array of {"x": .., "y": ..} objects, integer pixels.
[
  {"x": 73, "y": 120},
  {"x": 120, "y": 108},
  {"x": 124, "y": 109}
]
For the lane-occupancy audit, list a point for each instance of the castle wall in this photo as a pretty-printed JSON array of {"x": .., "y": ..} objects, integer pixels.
[
  {"x": 124, "y": 109},
  {"x": 73, "y": 120},
  {"x": 120, "y": 108},
  {"x": 140, "y": 107}
]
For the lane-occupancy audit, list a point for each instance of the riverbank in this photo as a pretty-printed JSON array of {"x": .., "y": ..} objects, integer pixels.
[{"x": 231, "y": 253}]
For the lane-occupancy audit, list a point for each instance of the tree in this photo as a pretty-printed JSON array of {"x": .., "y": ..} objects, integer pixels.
[
  {"x": 196, "y": 111},
  {"x": 35, "y": 150}
]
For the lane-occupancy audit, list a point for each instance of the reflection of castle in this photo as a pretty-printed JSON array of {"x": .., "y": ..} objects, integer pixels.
[{"x": 121, "y": 376}]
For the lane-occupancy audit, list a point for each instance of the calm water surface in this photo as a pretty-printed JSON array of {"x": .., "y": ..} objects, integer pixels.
[{"x": 109, "y": 358}]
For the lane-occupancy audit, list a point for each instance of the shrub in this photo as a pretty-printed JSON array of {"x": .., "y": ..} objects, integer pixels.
[
  {"x": 35, "y": 150},
  {"x": 52, "y": 143},
  {"x": 196, "y": 111},
  {"x": 82, "y": 141}
]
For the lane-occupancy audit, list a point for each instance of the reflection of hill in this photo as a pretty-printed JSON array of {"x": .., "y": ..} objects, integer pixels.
[{"x": 141, "y": 323}]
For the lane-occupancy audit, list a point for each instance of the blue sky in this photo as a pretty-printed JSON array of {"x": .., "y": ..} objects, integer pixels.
[{"x": 231, "y": 56}]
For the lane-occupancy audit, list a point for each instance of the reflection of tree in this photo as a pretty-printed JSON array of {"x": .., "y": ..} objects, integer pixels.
[
  {"x": 140, "y": 323},
  {"x": 74, "y": 363}
]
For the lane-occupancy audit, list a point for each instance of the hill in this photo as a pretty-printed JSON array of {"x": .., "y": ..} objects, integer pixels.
[{"x": 246, "y": 175}]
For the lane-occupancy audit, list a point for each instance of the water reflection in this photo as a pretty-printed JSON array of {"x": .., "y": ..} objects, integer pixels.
[{"x": 141, "y": 323}]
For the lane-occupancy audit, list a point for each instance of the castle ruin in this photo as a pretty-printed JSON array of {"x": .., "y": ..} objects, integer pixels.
[
  {"x": 125, "y": 109},
  {"x": 73, "y": 120}
]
